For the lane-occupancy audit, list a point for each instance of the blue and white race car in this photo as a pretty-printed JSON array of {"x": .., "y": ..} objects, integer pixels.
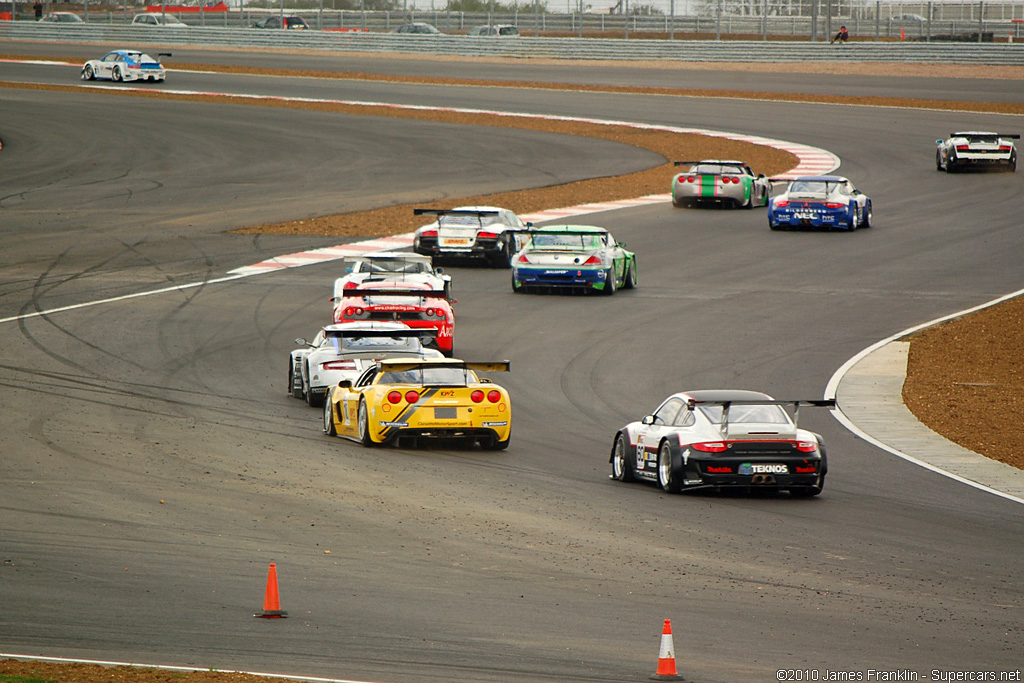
[
  {"x": 823, "y": 201},
  {"x": 125, "y": 65}
]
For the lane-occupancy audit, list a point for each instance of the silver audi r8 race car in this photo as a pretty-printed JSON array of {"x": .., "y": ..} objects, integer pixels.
[
  {"x": 344, "y": 350},
  {"x": 824, "y": 201},
  {"x": 719, "y": 183},
  {"x": 392, "y": 267},
  {"x": 723, "y": 439},
  {"x": 486, "y": 232},
  {"x": 975, "y": 149}
]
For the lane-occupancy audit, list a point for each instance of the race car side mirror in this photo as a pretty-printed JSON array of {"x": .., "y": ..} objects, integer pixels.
[
  {"x": 345, "y": 384},
  {"x": 648, "y": 420},
  {"x": 301, "y": 342},
  {"x": 939, "y": 142},
  {"x": 439, "y": 271}
]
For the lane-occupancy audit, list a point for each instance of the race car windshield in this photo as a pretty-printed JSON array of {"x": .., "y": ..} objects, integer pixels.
[
  {"x": 982, "y": 139},
  {"x": 756, "y": 414},
  {"x": 388, "y": 266},
  {"x": 815, "y": 186},
  {"x": 716, "y": 169},
  {"x": 465, "y": 219},
  {"x": 569, "y": 241},
  {"x": 430, "y": 376}
]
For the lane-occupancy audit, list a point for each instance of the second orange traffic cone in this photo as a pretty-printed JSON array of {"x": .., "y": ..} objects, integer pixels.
[
  {"x": 666, "y": 657},
  {"x": 271, "y": 600}
]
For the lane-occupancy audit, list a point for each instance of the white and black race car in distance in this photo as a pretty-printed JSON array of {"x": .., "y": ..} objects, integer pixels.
[
  {"x": 487, "y": 232},
  {"x": 723, "y": 439},
  {"x": 344, "y": 350},
  {"x": 976, "y": 149}
]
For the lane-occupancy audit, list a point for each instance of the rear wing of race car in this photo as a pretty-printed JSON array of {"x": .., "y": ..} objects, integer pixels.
[
  {"x": 479, "y": 366},
  {"x": 395, "y": 291},
  {"x": 440, "y": 213},
  {"x": 421, "y": 332},
  {"x": 1011, "y": 136},
  {"x": 795, "y": 405},
  {"x": 684, "y": 163}
]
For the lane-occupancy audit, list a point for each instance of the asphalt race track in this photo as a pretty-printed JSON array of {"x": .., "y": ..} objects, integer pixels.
[{"x": 153, "y": 464}]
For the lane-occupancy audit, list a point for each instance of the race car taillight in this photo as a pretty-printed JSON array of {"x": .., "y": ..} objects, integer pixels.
[
  {"x": 710, "y": 447},
  {"x": 429, "y": 312},
  {"x": 411, "y": 396},
  {"x": 807, "y": 446},
  {"x": 1005, "y": 148},
  {"x": 834, "y": 205},
  {"x": 963, "y": 148},
  {"x": 691, "y": 179},
  {"x": 353, "y": 310},
  {"x": 487, "y": 235},
  {"x": 681, "y": 179},
  {"x": 394, "y": 396},
  {"x": 523, "y": 259},
  {"x": 477, "y": 396},
  {"x": 428, "y": 233},
  {"x": 593, "y": 261},
  {"x": 493, "y": 396},
  {"x": 781, "y": 202},
  {"x": 730, "y": 179},
  {"x": 805, "y": 469},
  {"x": 339, "y": 365}
]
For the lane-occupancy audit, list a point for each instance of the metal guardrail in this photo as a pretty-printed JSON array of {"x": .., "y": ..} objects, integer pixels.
[{"x": 527, "y": 47}]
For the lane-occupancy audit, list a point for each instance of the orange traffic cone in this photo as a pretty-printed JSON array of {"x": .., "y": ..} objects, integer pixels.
[
  {"x": 666, "y": 657},
  {"x": 271, "y": 601},
  {"x": 903, "y": 34}
]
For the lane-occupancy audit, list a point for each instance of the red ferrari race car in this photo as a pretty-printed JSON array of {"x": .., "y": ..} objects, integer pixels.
[{"x": 415, "y": 304}]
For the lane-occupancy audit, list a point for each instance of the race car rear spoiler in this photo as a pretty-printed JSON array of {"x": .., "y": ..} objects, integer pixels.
[
  {"x": 481, "y": 366},
  {"x": 1012, "y": 136},
  {"x": 453, "y": 212},
  {"x": 395, "y": 291},
  {"x": 421, "y": 332},
  {"x": 795, "y": 405}
]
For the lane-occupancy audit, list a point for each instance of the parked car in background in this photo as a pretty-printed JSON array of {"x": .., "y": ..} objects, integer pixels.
[
  {"x": 419, "y": 28},
  {"x": 501, "y": 30},
  {"x": 154, "y": 19},
  {"x": 62, "y": 18},
  {"x": 286, "y": 22}
]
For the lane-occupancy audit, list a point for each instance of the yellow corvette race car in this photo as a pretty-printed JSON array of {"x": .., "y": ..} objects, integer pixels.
[{"x": 409, "y": 399}]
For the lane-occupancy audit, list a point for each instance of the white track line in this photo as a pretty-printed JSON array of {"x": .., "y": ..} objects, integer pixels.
[{"x": 5, "y": 655}]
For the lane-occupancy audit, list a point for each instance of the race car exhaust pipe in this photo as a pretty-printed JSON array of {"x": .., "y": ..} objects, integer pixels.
[{"x": 762, "y": 479}]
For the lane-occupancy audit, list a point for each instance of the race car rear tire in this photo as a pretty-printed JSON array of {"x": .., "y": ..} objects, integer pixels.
[
  {"x": 668, "y": 476},
  {"x": 329, "y": 428},
  {"x": 808, "y": 491},
  {"x": 866, "y": 223},
  {"x": 502, "y": 259},
  {"x": 313, "y": 400},
  {"x": 363, "y": 425},
  {"x": 629, "y": 282},
  {"x": 623, "y": 460},
  {"x": 115, "y": 75},
  {"x": 609, "y": 281}
]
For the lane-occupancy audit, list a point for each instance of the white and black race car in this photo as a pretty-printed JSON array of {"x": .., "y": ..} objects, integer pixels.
[
  {"x": 976, "y": 149},
  {"x": 470, "y": 232},
  {"x": 723, "y": 439}
]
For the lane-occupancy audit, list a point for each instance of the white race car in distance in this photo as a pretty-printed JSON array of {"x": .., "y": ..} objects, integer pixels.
[
  {"x": 344, "y": 350},
  {"x": 976, "y": 149},
  {"x": 125, "y": 65},
  {"x": 470, "y": 232},
  {"x": 391, "y": 266}
]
